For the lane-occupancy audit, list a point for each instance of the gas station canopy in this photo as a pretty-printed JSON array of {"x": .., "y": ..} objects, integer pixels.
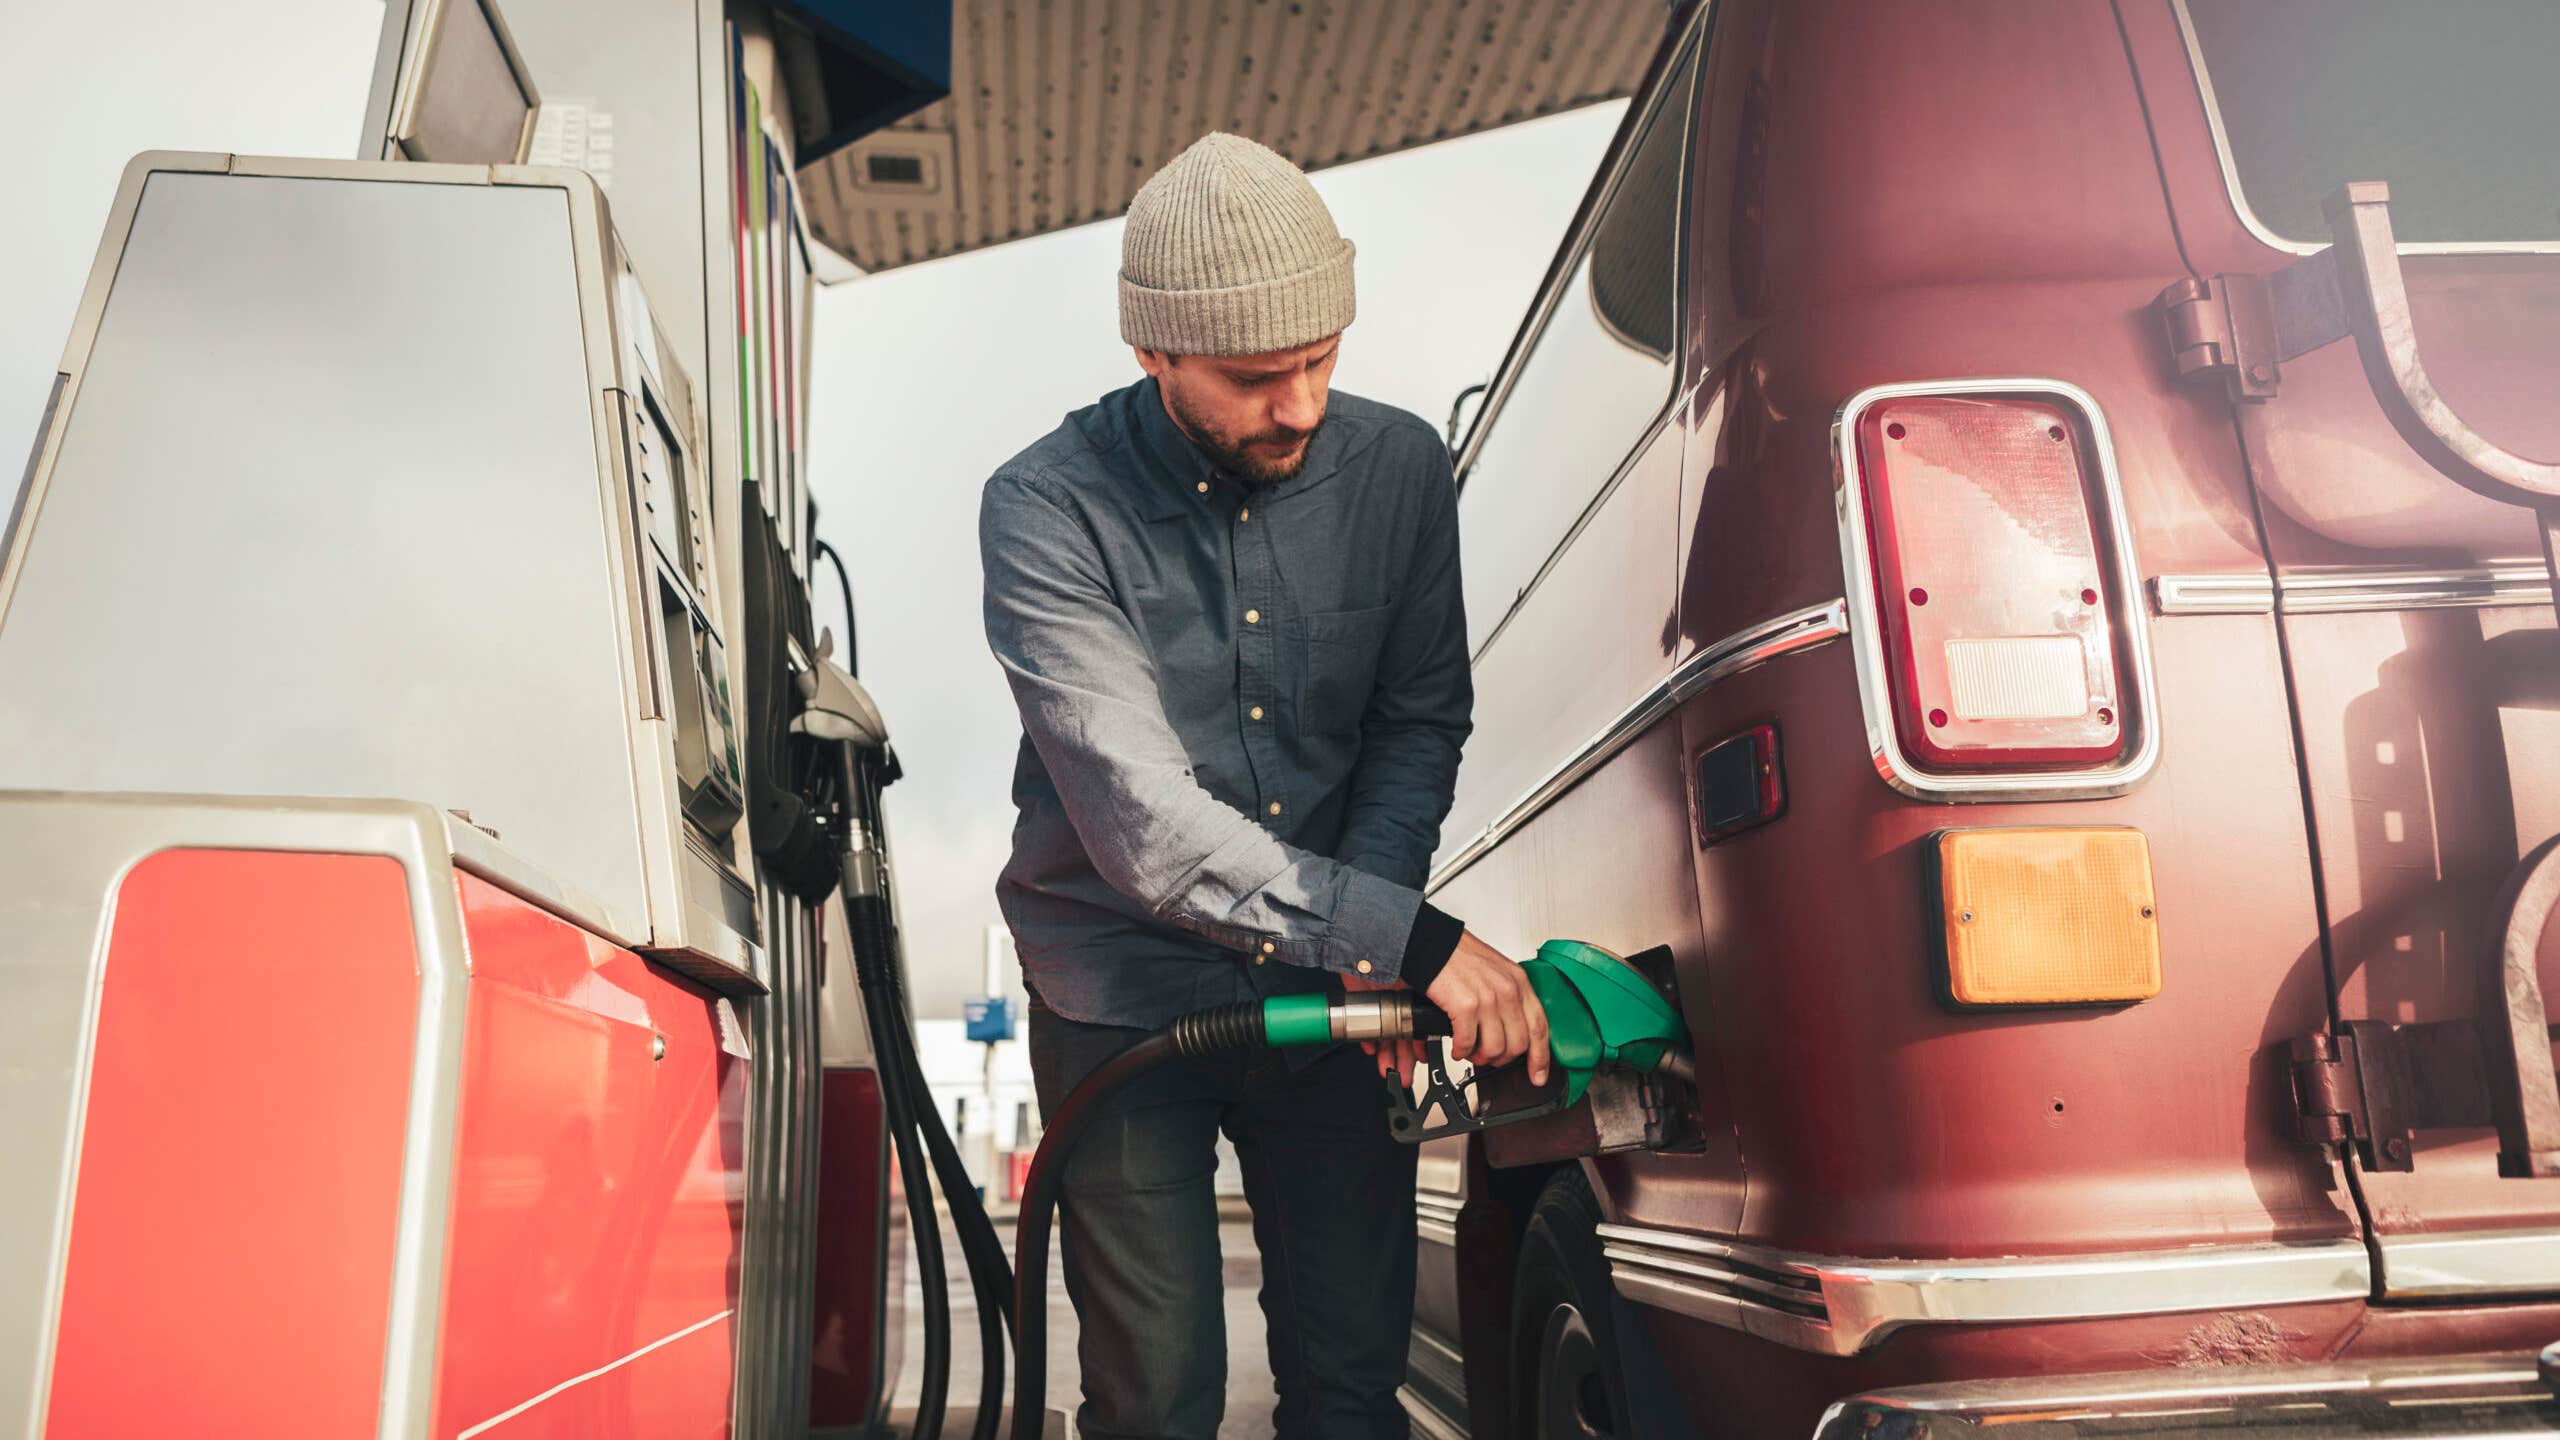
[{"x": 1059, "y": 109}]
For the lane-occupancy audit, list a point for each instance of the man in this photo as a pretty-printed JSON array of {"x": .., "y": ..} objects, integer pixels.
[{"x": 1229, "y": 612}]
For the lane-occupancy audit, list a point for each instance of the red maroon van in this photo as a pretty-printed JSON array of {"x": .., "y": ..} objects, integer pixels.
[{"x": 2008, "y": 545}]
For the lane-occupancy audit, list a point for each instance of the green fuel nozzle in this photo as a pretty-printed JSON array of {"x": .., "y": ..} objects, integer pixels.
[{"x": 1602, "y": 1014}]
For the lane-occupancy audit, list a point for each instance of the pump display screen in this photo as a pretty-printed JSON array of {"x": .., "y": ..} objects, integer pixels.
[{"x": 471, "y": 102}]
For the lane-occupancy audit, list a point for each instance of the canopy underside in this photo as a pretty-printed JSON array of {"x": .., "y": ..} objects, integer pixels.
[{"x": 1060, "y": 109}]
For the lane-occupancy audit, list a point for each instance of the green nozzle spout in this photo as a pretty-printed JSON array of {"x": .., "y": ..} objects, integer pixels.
[{"x": 1600, "y": 1012}]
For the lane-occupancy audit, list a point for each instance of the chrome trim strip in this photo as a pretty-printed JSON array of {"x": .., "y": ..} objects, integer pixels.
[
  {"x": 1866, "y": 632},
  {"x": 1439, "y": 1347},
  {"x": 1847, "y": 1305},
  {"x": 2312, "y": 592},
  {"x": 2213, "y": 594},
  {"x": 1435, "y": 1218},
  {"x": 1744, "y": 649},
  {"x": 2471, "y": 1264},
  {"x": 2265, "y": 233},
  {"x": 1428, "y": 1422},
  {"x": 2216, "y": 1394},
  {"x": 1437, "y": 1207},
  {"x": 2348, "y": 589},
  {"x": 1731, "y": 1281},
  {"x": 1749, "y": 648}
]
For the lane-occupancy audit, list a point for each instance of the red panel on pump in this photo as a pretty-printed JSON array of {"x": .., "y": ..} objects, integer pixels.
[
  {"x": 239, "y": 1171},
  {"x": 591, "y": 1284},
  {"x": 1995, "y": 601},
  {"x": 853, "y": 1184}
]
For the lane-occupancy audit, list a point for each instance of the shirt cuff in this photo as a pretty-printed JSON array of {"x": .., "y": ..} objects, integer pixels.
[
  {"x": 1371, "y": 920},
  {"x": 1434, "y": 939}
]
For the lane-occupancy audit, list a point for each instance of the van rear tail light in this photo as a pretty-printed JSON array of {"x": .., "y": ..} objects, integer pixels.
[{"x": 2001, "y": 602}]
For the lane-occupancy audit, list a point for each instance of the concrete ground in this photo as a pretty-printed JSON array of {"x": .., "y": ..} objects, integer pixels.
[{"x": 1249, "y": 1396}]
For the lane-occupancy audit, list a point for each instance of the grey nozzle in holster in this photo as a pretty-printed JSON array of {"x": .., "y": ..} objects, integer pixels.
[{"x": 836, "y": 707}]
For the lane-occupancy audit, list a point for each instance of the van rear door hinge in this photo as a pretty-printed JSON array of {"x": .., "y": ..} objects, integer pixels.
[
  {"x": 2374, "y": 1085},
  {"x": 2242, "y": 327}
]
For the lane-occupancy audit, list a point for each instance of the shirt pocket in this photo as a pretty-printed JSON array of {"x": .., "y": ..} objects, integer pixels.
[{"x": 1336, "y": 660}]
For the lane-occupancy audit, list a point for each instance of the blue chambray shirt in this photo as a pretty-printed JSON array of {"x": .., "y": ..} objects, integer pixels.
[{"x": 1242, "y": 708}]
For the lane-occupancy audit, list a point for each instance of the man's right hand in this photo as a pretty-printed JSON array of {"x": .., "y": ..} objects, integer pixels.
[{"x": 1494, "y": 1014}]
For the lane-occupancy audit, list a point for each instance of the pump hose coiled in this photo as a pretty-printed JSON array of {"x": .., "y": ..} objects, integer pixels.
[{"x": 1218, "y": 1030}]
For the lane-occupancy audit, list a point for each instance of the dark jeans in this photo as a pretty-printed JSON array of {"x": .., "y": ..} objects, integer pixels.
[{"x": 1332, "y": 1198}]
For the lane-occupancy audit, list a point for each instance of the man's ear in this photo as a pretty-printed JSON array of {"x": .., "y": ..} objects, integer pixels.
[{"x": 1154, "y": 362}]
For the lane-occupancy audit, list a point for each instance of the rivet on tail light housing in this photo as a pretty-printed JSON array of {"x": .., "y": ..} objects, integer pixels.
[{"x": 1993, "y": 603}]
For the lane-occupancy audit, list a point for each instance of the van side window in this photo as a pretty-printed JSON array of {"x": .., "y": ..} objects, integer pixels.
[{"x": 1595, "y": 379}]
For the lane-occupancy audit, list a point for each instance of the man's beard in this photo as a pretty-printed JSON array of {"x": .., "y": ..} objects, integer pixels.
[{"x": 1237, "y": 457}]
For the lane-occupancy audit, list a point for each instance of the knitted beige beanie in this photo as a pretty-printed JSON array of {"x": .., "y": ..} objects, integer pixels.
[{"x": 1229, "y": 251}]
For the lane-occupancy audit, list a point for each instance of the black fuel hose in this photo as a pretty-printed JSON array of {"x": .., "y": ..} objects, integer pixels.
[
  {"x": 925, "y": 1231},
  {"x": 926, "y": 1154},
  {"x": 1219, "y": 1030},
  {"x": 990, "y": 1278}
]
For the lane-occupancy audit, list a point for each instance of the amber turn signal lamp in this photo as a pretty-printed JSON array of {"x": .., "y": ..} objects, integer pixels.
[{"x": 2047, "y": 916}]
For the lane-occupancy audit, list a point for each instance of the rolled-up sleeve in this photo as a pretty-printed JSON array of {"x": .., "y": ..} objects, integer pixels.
[
  {"x": 1421, "y": 709},
  {"x": 1089, "y": 701}
]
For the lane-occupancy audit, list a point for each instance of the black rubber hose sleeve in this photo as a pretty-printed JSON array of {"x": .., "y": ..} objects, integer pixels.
[
  {"x": 1219, "y": 1030},
  {"x": 1040, "y": 1190}
]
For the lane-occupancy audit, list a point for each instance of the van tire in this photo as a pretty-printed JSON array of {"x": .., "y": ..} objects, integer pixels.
[{"x": 1566, "y": 1381}]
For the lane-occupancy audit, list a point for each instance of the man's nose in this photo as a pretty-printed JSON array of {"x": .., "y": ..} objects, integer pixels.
[{"x": 1299, "y": 404}]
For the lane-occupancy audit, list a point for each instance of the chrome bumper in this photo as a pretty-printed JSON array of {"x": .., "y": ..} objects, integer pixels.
[{"x": 2480, "y": 1395}]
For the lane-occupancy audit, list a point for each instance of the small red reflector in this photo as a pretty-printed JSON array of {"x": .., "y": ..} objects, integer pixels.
[
  {"x": 1740, "y": 784},
  {"x": 1994, "y": 601}
]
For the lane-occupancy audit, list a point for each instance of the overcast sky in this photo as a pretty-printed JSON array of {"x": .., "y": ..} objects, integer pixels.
[
  {"x": 86, "y": 86},
  {"x": 925, "y": 379}
]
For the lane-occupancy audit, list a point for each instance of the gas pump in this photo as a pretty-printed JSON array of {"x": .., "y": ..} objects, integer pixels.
[
  {"x": 414, "y": 880},
  {"x": 385, "y": 475}
]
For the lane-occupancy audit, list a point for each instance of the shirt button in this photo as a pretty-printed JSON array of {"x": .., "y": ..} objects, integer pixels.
[
  {"x": 1243, "y": 515},
  {"x": 1257, "y": 712},
  {"x": 1253, "y": 617},
  {"x": 1268, "y": 947},
  {"x": 1258, "y": 959},
  {"x": 1364, "y": 967},
  {"x": 1204, "y": 487},
  {"x": 1275, "y": 807}
]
